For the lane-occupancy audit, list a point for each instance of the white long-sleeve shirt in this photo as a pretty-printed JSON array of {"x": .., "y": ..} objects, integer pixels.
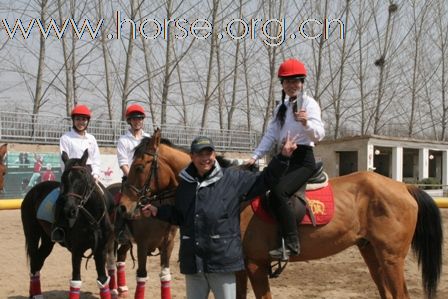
[
  {"x": 126, "y": 147},
  {"x": 275, "y": 134},
  {"x": 75, "y": 145}
]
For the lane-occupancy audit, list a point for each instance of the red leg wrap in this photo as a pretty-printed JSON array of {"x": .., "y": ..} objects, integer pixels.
[
  {"x": 113, "y": 280},
  {"x": 121, "y": 275},
  {"x": 75, "y": 289},
  {"x": 166, "y": 289},
  {"x": 105, "y": 293},
  {"x": 35, "y": 285},
  {"x": 140, "y": 289},
  {"x": 74, "y": 293}
]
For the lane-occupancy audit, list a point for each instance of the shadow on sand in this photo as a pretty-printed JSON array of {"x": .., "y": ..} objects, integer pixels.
[{"x": 58, "y": 294}]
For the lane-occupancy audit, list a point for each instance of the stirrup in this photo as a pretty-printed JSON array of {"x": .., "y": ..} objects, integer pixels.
[{"x": 284, "y": 253}]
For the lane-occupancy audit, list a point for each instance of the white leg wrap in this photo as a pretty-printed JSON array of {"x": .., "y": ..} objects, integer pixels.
[
  {"x": 165, "y": 274},
  {"x": 75, "y": 283},
  {"x": 100, "y": 285},
  {"x": 142, "y": 279}
]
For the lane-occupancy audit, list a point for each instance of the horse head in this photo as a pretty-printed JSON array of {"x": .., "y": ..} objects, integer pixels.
[
  {"x": 153, "y": 175},
  {"x": 3, "y": 150},
  {"x": 77, "y": 187}
]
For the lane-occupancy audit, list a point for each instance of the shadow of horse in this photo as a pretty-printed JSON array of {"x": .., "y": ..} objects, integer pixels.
[
  {"x": 57, "y": 294},
  {"x": 81, "y": 219}
]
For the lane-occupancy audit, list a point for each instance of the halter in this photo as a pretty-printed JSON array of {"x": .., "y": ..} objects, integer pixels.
[{"x": 145, "y": 194}]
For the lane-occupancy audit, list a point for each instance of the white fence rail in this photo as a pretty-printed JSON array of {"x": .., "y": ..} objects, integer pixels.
[{"x": 47, "y": 129}]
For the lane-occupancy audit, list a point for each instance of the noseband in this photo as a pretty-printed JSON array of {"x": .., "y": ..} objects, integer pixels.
[{"x": 145, "y": 194}]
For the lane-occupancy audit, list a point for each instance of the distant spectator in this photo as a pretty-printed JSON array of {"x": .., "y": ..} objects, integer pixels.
[
  {"x": 36, "y": 171},
  {"x": 48, "y": 175},
  {"x": 23, "y": 159}
]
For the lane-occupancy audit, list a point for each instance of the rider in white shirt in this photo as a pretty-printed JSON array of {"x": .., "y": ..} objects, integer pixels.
[
  {"x": 300, "y": 116},
  {"x": 135, "y": 114},
  {"x": 77, "y": 140}
]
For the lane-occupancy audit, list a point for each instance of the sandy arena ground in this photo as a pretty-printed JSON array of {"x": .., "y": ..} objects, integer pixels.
[{"x": 341, "y": 276}]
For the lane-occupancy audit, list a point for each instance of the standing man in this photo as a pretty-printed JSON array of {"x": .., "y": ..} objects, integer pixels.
[
  {"x": 207, "y": 211},
  {"x": 135, "y": 114}
]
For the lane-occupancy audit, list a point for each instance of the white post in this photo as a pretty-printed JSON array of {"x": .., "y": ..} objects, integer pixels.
[
  {"x": 445, "y": 169},
  {"x": 423, "y": 169},
  {"x": 397, "y": 163},
  {"x": 370, "y": 157}
]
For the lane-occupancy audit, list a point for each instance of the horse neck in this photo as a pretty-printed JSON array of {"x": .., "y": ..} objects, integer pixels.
[{"x": 176, "y": 159}]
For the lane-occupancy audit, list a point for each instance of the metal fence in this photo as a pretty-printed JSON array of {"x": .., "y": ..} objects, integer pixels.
[{"x": 47, "y": 129}]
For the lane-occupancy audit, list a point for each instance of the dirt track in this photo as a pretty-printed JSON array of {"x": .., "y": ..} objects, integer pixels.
[{"x": 341, "y": 276}]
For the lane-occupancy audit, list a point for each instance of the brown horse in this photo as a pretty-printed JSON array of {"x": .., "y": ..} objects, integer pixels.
[
  {"x": 153, "y": 177},
  {"x": 381, "y": 216},
  {"x": 3, "y": 150}
]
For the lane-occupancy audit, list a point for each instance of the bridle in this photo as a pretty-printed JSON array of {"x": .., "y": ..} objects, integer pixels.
[
  {"x": 145, "y": 194},
  {"x": 84, "y": 198}
]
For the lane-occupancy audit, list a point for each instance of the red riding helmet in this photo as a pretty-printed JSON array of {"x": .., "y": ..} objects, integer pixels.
[
  {"x": 135, "y": 110},
  {"x": 82, "y": 110},
  {"x": 292, "y": 68}
]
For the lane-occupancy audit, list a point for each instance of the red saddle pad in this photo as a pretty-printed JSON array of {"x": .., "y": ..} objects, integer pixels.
[{"x": 321, "y": 202}]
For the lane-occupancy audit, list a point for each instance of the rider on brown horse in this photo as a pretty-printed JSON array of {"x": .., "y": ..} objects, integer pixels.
[{"x": 300, "y": 115}]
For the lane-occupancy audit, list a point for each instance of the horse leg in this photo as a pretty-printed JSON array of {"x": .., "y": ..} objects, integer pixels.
[
  {"x": 37, "y": 255},
  {"x": 392, "y": 266},
  {"x": 369, "y": 256},
  {"x": 241, "y": 284},
  {"x": 142, "y": 275},
  {"x": 123, "y": 289},
  {"x": 165, "y": 254},
  {"x": 258, "y": 276},
  {"x": 100, "y": 262},
  {"x": 75, "y": 283},
  {"x": 112, "y": 271}
]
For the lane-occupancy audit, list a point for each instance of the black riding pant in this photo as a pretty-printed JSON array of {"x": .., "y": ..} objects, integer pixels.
[{"x": 301, "y": 166}]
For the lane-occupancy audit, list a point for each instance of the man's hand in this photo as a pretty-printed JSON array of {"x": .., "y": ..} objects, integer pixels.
[
  {"x": 250, "y": 162},
  {"x": 149, "y": 210},
  {"x": 290, "y": 145}
]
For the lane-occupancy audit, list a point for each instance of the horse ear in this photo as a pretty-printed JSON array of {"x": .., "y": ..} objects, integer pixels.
[
  {"x": 64, "y": 157},
  {"x": 157, "y": 136},
  {"x": 3, "y": 150},
  {"x": 84, "y": 157}
]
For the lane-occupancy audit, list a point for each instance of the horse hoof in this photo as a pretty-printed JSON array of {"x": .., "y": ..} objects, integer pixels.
[{"x": 123, "y": 294}]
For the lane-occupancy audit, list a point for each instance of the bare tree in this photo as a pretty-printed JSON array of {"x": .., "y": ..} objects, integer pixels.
[
  {"x": 381, "y": 64},
  {"x": 418, "y": 28},
  {"x": 214, "y": 37}
]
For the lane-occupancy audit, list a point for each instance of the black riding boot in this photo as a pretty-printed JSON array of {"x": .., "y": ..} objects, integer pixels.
[{"x": 288, "y": 225}]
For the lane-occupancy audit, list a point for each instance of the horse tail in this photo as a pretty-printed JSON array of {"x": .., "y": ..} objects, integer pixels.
[
  {"x": 30, "y": 224},
  {"x": 427, "y": 242}
]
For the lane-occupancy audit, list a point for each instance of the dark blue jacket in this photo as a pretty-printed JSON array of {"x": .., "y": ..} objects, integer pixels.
[{"x": 207, "y": 212}]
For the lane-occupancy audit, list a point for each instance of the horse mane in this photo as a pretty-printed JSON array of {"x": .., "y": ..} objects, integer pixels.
[{"x": 140, "y": 149}]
